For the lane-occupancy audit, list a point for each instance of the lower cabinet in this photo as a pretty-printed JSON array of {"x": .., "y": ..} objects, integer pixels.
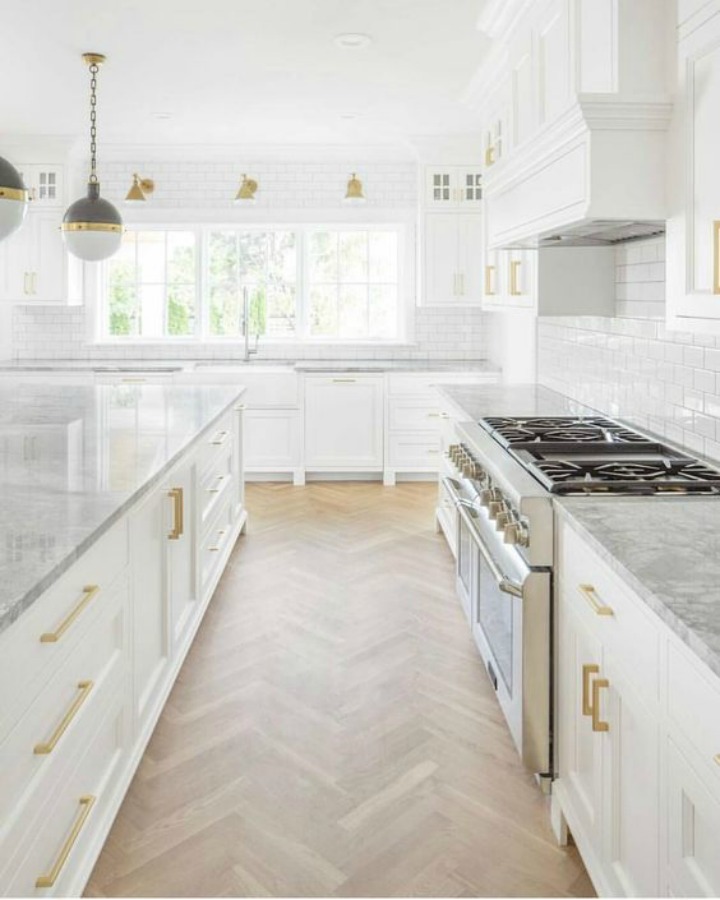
[
  {"x": 344, "y": 422},
  {"x": 85, "y": 672},
  {"x": 638, "y": 721}
]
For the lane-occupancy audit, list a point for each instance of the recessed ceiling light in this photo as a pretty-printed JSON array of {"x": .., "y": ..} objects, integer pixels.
[
  {"x": 353, "y": 40},
  {"x": 162, "y": 116}
]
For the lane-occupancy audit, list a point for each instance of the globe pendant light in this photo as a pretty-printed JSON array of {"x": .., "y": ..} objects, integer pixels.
[
  {"x": 92, "y": 227},
  {"x": 13, "y": 199}
]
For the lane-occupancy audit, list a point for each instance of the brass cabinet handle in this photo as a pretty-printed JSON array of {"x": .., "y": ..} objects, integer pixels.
[
  {"x": 86, "y": 804},
  {"x": 716, "y": 256},
  {"x": 178, "y": 529},
  {"x": 219, "y": 438},
  {"x": 134, "y": 380},
  {"x": 490, "y": 155},
  {"x": 587, "y": 671},
  {"x": 461, "y": 279},
  {"x": 240, "y": 408},
  {"x": 90, "y": 591},
  {"x": 716, "y": 759},
  {"x": 596, "y": 604},
  {"x": 444, "y": 415},
  {"x": 344, "y": 380},
  {"x": 489, "y": 274},
  {"x": 217, "y": 489},
  {"x": 221, "y": 534},
  {"x": 42, "y": 749},
  {"x": 434, "y": 416},
  {"x": 514, "y": 270},
  {"x": 597, "y": 722}
]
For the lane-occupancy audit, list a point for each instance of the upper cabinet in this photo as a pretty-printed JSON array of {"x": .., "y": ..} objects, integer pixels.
[
  {"x": 693, "y": 245},
  {"x": 453, "y": 187},
  {"x": 45, "y": 183},
  {"x": 573, "y": 97}
]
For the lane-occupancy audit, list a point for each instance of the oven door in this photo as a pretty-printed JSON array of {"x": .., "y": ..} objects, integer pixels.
[{"x": 510, "y": 614}]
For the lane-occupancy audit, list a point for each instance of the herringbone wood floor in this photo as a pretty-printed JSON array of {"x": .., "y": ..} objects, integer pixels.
[{"x": 332, "y": 732}]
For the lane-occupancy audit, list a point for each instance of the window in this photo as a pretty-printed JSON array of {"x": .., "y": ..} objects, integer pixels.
[
  {"x": 265, "y": 264},
  {"x": 151, "y": 285},
  {"x": 353, "y": 284},
  {"x": 302, "y": 283}
]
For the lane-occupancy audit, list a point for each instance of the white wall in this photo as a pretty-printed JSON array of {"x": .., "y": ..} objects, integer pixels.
[{"x": 634, "y": 368}]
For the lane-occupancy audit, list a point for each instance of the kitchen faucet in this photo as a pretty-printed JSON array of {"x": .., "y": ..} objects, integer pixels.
[{"x": 246, "y": 327}]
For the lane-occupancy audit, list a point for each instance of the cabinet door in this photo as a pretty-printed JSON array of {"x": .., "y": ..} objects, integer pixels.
[
  {"x": 180, "y": 552},
  {"x": 151, "y": 632},
  {"x": 470, "y": 259},
  {"x": 344, "y": 422},
  {"x": 496, "y": 126},
  {"x": 632, "y": 816},
  {"x": 440, "y": 247},
  {"x": 694, "y": 233},
  {"x": 581, "y": 748},
  {"x": 47, "y": 262},
  {"x": 554, "y": 68},
  {"x": 469, "y": 186},
  {"x": 271, "y": 439},
  {"x": 693, "y": 816},
  {"x": 523, "y": 87},
  {"x": 440, "y": 187},
  {"x": 44, "y": 182}
]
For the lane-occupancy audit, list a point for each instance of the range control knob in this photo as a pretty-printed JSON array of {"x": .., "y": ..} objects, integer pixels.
[
  {"x": 516, "y": 533},
  {"x": 504, "y": 518},
  {"x": 495, "y": 508}
]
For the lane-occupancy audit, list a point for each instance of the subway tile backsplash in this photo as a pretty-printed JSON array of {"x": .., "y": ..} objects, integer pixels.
[{"x": 633, "y": 367}]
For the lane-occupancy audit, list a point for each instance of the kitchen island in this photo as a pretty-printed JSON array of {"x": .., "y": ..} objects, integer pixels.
[{"x": 121, "y": 505}]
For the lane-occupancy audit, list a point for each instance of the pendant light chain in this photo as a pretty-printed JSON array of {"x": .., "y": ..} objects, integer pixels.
[{"x": 93, "y": 123}]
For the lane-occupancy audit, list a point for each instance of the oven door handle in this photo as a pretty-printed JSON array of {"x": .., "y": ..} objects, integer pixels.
[{"x": 505, "y": 584}]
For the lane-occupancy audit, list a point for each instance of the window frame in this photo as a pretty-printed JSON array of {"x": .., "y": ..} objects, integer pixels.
[{"x": 99, "y": 328}]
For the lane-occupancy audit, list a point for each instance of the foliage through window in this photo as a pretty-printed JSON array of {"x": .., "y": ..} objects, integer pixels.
[{"x": 302, "y": 283}]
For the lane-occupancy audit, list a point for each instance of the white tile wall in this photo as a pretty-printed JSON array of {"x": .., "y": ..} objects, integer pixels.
[
  {"x": 46, "y": 332},
  {"x": 634, "y": 368}
]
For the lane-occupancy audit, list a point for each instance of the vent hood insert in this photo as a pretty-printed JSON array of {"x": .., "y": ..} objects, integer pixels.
[{"x": 594, "y": 233}]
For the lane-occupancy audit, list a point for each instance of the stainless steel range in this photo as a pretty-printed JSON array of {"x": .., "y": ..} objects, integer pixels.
[{"x": 500, "y": 479}]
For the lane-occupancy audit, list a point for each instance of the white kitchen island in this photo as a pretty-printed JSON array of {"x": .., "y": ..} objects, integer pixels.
[{"x": 120, "y": 507}]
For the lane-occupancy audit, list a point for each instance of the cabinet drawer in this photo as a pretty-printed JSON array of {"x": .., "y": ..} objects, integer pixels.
[
  {"x": 53, "y": 731},
  {"x": 217, "y": 442},
  {"x": 421, "y": 386},
  {"x": 56, "y": 838},
  {"x": 693, "y": 693},
  {"x": 413, "y": 415},
  {"x": 615, "y": 615},
  {"x": 32, "y": 648},
  {"x": 214, "y": 482},
  {"x": 214, "y": 543},
  {"x": 414, "y": 451}
]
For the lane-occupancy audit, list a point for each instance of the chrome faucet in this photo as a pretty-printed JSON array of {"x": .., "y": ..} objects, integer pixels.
[{"x": 246, "y": 327}]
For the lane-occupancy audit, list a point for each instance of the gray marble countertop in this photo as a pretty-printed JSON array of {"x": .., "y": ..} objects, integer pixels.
[
  {"x": 73, "y": 459},
  {"x": 479, "y": 400},
  {"x": 300, "y": 365},
  {"x": 667, "y": 549}
]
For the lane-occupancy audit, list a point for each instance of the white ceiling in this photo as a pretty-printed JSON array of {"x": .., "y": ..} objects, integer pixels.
[{"x": 240, "y": 71}]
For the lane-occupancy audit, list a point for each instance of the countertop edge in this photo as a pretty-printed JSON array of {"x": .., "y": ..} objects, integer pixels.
[
  {"x": 23, "y": 603},
  {"x": 680, "y": 628}
]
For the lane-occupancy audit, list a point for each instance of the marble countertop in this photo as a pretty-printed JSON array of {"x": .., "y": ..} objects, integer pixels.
[
  {"x": 73, "y": 459},
  {"x": 667, "y": 549},
  {"x": 479, "y": 400},
  {"x": 300, "y": 365}
]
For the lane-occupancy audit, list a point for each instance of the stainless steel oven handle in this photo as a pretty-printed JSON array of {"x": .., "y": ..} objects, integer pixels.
[{"x": 505, "y": 584}]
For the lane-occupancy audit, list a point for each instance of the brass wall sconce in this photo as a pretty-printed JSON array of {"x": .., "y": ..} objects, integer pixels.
[
  {"x": 354, "y": 194},
  {"x": 140, "y": 188},
  {"x": 246, "y": 191}
]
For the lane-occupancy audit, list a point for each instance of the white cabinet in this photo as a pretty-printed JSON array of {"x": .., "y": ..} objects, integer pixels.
[
  {"x": 693, "y": 231},
  {"x": 453, "y": 268},
  {"x": 453, "y": 187},
  {"x": 344, "y": 422},
  {"x": 45, "y": 183},
  {"x": 272, "y": 440},
  {"x": 639, "y": 738}
]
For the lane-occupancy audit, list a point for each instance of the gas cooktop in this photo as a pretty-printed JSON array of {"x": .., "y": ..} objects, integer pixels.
[{"x": 595, "y": 455}]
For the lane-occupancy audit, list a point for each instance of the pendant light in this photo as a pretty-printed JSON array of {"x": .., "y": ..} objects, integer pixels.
[
  {"x": 92, "y": 227},
  {"x": 13, "y": 199}
]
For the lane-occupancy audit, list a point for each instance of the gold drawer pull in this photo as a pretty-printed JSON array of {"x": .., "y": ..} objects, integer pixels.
[
  {"x": 240, "y": 408},
  {"x": 587, "y": 671},
  {"x": 597, "y": 722},
  {"x": 591, "y": 595},
  {"x": 219, "y": 438},
  {"x": 344, "y": 380},
  {"x": 217, "y": 489},
  {"x": 444, "y": 415},
  {"x": 86, "y": 804},
  {"x": 716, "y": 759},
  {"x": 433, "y": 415},
  {"x": 134, "y": 380},
  {"x": 433, "y": 452},
  {"x": 90, "y": 591},
  {"x": 42, "y": 749},
  {"x": 178, "y": 529},
  {"x": 514, "y": 270},
  {"x": 221, "y": 534},
  {"x": 489, "y": 275}
]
